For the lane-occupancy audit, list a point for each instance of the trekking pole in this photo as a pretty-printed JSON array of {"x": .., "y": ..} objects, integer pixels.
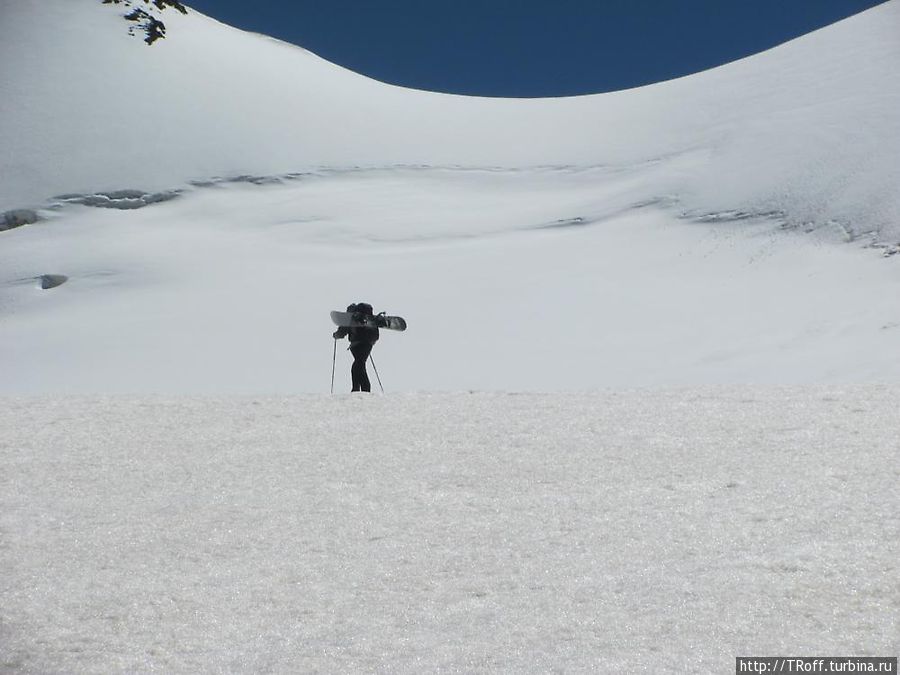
[
  {"x": 376, "y": 373},
  {"x": 333, "y": 360}
]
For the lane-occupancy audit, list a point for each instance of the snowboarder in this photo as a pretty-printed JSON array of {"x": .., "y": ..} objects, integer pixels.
[{"x": 362, "y": 339}]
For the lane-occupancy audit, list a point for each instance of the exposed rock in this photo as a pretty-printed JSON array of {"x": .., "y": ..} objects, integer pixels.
[
  {"x": 152, "y": 27},
  {"x": 17, "y": 218},
  {"x": 52, "y": 280}
]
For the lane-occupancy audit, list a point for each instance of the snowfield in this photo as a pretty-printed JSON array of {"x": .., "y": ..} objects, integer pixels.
[
  {"x": 644, "y": 418},
  {"x": 663, "y": 531},
  {"x": 207, "y": 212},
  {"x": 535, "y": 280},
  {"x": 196, "y": 222},
  {"x": 809, "y": 129}
]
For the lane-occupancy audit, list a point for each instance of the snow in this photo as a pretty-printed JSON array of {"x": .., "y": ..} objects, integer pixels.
[
  {"x": 669, "y": 235},
  {"x": 539, "y": 280},
  {"x": 635, "y": 425},
  {"x": 618, "y": 531},
  {"x": 809, "y": 128}
]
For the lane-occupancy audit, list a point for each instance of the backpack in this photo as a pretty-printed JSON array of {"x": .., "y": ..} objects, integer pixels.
[
  {"x": 362, "y": 308},
  {"x": 361, "y": 311}
]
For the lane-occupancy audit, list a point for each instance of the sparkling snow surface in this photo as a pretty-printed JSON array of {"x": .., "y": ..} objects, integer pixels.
[{"x": 635, "y": 531}]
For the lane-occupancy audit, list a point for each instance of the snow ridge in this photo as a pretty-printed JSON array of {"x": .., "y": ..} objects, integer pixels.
[{"x": 808, "y": 129}]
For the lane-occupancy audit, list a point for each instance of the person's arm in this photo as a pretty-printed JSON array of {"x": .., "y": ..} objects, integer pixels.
[{"x": 340, "y": 332}]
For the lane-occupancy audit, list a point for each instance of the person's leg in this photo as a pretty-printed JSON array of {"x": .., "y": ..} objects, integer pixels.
[{"x": 358, "y": 372}]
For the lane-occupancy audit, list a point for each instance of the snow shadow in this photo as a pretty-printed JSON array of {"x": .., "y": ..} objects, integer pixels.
[
  {"x": 734, "y": 216},
  {"x": 274, "y": 179},
  {"x": 563, "y": 223},
  {"x": 253, "y": 180},
  {"x": 844, "y": 230},
  {"x": 582, "y": 221},
  {"x": 45, "y": 281}
]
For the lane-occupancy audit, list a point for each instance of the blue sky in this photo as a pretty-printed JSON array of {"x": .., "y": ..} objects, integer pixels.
[{"x": 531, "y": 47}]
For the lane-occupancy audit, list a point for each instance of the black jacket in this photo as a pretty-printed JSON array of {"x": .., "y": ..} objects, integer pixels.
[
  {"x": 362, "y": 312},
  {"x": 358, "y": 334}
]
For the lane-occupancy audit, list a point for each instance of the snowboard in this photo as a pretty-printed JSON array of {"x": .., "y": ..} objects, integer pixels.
[{"x": 350, "y": 319}]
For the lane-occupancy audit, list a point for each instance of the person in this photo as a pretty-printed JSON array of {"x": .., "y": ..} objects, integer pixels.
[{"x": 362, "y": 339}]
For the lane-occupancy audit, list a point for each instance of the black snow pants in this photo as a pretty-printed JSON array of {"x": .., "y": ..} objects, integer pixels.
[{"x": 360, "y": 351}]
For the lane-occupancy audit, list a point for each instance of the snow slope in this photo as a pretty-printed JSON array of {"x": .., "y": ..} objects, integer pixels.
[
  {"x": 616, "y": 240},
  {"x": 228, "y": 289},
  {"x": 809, "y": 128},
  {"x": 676, "y": 234},
  {"x": 620, "y": 532}
]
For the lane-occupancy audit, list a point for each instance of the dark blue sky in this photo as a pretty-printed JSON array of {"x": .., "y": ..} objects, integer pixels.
[{"x": 531, "y": 47}]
